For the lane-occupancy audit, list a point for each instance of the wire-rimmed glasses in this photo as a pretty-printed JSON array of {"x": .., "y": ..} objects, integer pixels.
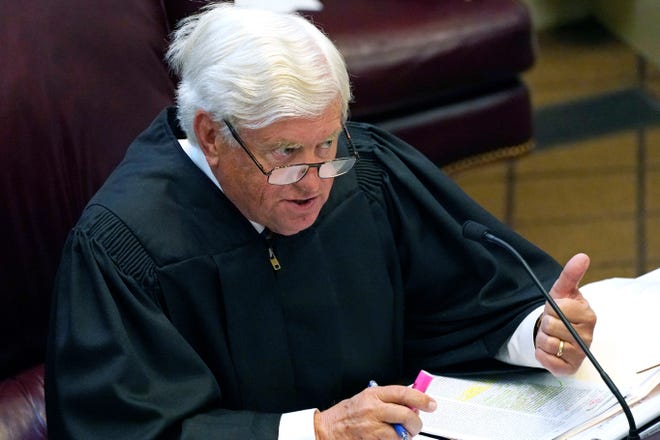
[{"x": 288, "y": 174}]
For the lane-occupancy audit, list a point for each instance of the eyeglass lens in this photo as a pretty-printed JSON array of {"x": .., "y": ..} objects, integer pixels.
[{"x": 292, "y": 174}]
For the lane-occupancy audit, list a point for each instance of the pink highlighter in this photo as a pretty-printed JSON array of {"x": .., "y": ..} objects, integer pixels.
[{"x": 423, "y": 380}]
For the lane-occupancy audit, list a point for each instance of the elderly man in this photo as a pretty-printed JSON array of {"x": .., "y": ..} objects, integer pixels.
[{"x": 255, "y": 260}]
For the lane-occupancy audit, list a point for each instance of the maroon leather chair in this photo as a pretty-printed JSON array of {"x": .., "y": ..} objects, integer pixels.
[
  {"x": 81, "y": 79},
  {"x": 442, "y": 75}
]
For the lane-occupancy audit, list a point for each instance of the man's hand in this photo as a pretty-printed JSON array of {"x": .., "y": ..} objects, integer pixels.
[
  {"x": 371, "y": 413},
  {"x": 556, "y": 349}
]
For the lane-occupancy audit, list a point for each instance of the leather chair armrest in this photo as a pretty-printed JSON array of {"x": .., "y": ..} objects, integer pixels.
[{"x": 22, "y": 406}]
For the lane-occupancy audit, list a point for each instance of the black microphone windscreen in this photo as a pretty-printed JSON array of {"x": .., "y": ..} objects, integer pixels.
[{"x": 474, "y": 231}]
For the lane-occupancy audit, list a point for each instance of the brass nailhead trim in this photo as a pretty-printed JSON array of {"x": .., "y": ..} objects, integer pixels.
[{"x": 489, "y": 157}]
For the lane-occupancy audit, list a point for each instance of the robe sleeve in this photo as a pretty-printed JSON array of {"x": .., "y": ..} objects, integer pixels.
[
  {"x": 116, "y": 366},
  {"x": 463, "y": 299}
]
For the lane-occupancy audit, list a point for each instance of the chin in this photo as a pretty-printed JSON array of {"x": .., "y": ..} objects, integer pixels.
[{"x": 293, "y": 228}]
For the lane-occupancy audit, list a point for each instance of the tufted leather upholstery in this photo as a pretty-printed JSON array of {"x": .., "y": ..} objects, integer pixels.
[{"x": 81, "y": 79}]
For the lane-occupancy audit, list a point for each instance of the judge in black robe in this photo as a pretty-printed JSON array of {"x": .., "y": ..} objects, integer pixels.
[{"x": 170, "y": 318}]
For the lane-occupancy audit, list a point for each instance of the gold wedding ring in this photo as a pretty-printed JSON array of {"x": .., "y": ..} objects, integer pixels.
[{"x": 560, "y": 352}]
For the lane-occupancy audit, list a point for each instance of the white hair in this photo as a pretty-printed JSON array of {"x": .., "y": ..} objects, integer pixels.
[{"x": 254, "y": 67}]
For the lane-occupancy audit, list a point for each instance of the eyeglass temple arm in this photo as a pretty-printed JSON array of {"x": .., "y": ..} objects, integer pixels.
[
  {"x": 240, "y": 142},
  {"x": 351, "y": 146}
]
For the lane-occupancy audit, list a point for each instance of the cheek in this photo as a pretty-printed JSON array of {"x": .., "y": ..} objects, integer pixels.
[
  {"x": 244, "y": 185},
  {"x": 255, "y": 194}
]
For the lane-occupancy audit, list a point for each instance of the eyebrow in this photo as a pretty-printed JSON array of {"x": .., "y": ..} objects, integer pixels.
[{"x": 288, "y": 144}]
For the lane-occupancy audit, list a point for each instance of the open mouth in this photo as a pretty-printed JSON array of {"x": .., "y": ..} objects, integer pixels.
[{"x": 303, "y": 202}]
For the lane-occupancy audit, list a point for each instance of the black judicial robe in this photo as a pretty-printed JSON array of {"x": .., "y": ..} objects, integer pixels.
[{"x": 169, "y": 321}]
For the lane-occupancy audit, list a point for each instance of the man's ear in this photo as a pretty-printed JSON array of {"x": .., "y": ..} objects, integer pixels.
[{"x": 206, "y": 130}]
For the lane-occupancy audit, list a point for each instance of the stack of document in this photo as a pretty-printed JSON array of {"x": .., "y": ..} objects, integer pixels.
[{"x": 539, "y": 406}]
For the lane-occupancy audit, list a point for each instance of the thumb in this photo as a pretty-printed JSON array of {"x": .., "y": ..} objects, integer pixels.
[{"x": 566, "y": 286}]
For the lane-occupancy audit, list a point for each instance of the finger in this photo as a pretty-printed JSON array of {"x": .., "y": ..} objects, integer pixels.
[
  {"x": 399, "y": 406},
  {"x": 559, "y": 354},
  {"x": 555, "y": 355},
  {"x": 566, "y": 285},
  {"x": 406, "y": 419},
  {"x": 552, "y": 330},
  {"x": 406, "y": 396},
  {"x": 580, "y": 315},
  {"x": 556, "y": 366},
  {"x": 553, "y": 346}
]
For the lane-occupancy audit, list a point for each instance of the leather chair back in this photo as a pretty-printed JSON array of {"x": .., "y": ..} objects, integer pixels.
[{"x": 79, "y": 81}]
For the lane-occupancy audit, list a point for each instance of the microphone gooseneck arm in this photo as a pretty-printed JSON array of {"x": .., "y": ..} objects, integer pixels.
[{"x": 478, "y": 232}]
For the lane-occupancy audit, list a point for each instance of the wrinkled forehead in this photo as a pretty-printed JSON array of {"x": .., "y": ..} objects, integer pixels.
[{"x": 297, "y": 130}]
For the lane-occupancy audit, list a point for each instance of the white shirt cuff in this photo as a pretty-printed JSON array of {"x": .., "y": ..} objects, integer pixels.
[
  {"x": 297, "y": 425},
  {"x": 519, "y": 349}
]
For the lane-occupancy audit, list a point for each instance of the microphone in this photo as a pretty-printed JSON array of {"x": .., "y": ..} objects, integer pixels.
[{"x": 480, "y": 233}]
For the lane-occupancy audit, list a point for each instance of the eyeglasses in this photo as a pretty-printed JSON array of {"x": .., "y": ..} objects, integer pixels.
[{"x": 288, "y": 174}]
